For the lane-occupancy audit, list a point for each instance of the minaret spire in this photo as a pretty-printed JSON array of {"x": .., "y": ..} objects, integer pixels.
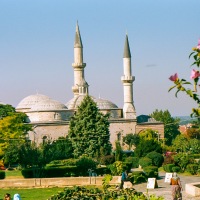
[
  {"x": 80, "y": 85},
  {"x": 78, "y": 41},
  {"x": 127, "y": 80}
]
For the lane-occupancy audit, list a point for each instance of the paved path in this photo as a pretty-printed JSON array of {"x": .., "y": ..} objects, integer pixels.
[{"x": 164, "y": 189}]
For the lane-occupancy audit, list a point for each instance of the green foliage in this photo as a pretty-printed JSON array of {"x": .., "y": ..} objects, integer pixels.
[
  {"x": 107, "y": 160},
  {"x": 169, "y": 167},
  {"x": 102, "y": 171},
  {"x": 194, "y": 146},
  {"x": 144, "y": 162},
  {"x": 176, "y": 169},
  {"x": 11, "y": 155},
  {"x": 118, "y": 151},
  {"x": 116, "y": 168},
  {"x": 146, "y": 146},
  {"x": 181, "y": 144},
  {"x": 50, "y": 172},
  {"x": 192, "y": 168},
  {"x": 131, "y": 139},
  {"x": 89, "y": 130},
  {"x": 62, "y": 149},
  {"x": 12, "y": 127},
  {"x": 133, "y": 160},
  {"x": 67, "y": 162},
  {"x": 151, "y": 171},
  {"x": 137, "y": 177},
  {"x": 182, "y": 160},
  {"x": 2, "y": 174},
  {"x": 84, "y": 163},
  {"x": 106, "y": 180},
  {"x": 171, "y": 125},
  {"x": 83, "y": 193},
  {"x": 157, "y": 158}
]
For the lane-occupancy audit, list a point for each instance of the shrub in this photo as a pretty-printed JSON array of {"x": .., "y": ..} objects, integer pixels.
[
  {"x": 151, "y": 171},
  {"x": 157, "y": 158},
  {"x": 192, "y": 168},
  {"x": 84, "y": 163},
  {"x": 107, "y": 160},
  {"x": 116, "y": 168},
  {"x": 137, "y": 177},
  {"x": 144, "y": 162},
  {"x": 182, "y": 160},
  {"x": 2, "y": 174},
  {"x": 133, "y": 160},
  {"x": 168, "y": 167},
  {"x": 66, "y": 171},
  {"x": 146, "y": 146},
  {"x": 102, "y": 170},
  {"x": 176, "y": 169}
]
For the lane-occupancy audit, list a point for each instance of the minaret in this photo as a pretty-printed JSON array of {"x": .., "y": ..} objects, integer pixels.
[
  {"x": 127, "y": 80},
  {"x": 80, "y": 85}
]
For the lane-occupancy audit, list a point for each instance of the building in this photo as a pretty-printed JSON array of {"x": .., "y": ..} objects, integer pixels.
[{"x": 50, "y": 118}]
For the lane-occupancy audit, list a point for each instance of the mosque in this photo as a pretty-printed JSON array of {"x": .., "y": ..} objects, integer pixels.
[{"x": 50, "y": 118}]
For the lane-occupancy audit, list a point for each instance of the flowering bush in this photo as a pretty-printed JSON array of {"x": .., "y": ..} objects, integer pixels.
[{"x": 180, "y": 84}]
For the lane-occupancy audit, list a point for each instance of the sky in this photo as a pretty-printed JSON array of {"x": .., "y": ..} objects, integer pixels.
[{"x": 37, "y": 39}]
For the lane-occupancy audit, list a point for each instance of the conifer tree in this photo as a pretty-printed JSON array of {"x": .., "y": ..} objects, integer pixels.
[{"x": 89, "y": 130}]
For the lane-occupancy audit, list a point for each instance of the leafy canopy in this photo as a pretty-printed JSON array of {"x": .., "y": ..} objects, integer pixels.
[
  {"x": 171, "y": 125},
  {"x": 89, "y": 130},
  {"x": 12, "y": 126}
]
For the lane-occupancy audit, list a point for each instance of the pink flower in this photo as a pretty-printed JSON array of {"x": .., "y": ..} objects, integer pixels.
[
  {"x": 198, "y": 45},
  {"x": 194, "y": 74},
  {"x": 173, "y": 77}
]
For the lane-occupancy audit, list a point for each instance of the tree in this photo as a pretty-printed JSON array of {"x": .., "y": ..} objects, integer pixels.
[
  {"x": 181, "y": 144},
  {"x": 193, "y": 132},
  {"x": 146, "y": 146},
  {"x": 61, "y": 148},
  {"x": 6, "y": 110},
  {"x": 131, "y": 139},
  {"x": 12, "y": 126},
  {"x": 171, "y": 125},
  {"x": 89, "y": 130},
  {"x": 118, "y": 151}
]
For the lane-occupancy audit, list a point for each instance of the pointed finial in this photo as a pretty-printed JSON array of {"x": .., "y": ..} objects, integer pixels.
[
  {"x": 78, "y": 41},
  {"x": 127, "y": 52}
]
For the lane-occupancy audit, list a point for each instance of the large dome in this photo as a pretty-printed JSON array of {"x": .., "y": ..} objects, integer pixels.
[
  {"x": 101, "y": 103},
  {"x": 47, "y": 105},
  {"x": 31, "y": 100}
]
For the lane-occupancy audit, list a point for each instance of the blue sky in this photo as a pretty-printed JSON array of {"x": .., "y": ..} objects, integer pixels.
[{"x": 36, "y": 49}]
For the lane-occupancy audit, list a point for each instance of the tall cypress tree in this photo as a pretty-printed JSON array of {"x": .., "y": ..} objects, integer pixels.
[{"x": 89, "y": 130}]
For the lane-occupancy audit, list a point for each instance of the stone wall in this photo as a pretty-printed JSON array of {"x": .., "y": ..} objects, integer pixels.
[{"x": 55, "y": 182}]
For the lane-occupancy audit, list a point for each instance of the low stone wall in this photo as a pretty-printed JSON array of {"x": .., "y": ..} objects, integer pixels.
[
  {"x": 192, "y": 189},
  {"x": 55, "y": 182}
]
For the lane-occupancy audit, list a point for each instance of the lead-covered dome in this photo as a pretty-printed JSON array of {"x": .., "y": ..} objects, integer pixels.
[
  {"x": 101, "y": 103},
  {"x": 30, "y": 101},
  {"x": 47, "y": 105}
]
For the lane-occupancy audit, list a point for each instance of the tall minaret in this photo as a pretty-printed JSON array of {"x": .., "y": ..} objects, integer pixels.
[
  {"x": 127, "y": 80},
  {"x": 80, "y": 85}
]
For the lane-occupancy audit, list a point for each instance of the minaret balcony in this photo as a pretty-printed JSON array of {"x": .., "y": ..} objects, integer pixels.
[
  {"x": 127, "y": 78},
  {"x": 78, "y": 65}
]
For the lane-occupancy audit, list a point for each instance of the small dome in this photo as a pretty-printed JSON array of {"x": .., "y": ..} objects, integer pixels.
[
  {"x": 31, "y": 100},
  {"x": 47, "y": 105},
  {"x": 104, "y": 104},
  {"x": 101, "y": 103}
]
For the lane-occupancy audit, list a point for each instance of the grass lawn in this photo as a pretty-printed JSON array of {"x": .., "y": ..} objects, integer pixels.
[{"x": 31, "y": 193}]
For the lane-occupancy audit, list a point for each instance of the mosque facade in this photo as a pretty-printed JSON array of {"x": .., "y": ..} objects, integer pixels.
[{"x": 50, "y": 118}]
